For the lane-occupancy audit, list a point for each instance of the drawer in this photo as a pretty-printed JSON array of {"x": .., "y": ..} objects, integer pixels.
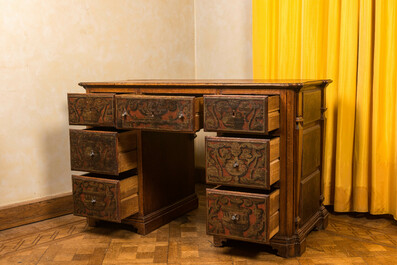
[
  {"x": 252, "y": 163},
  {"x": 243, "y": 114},
  {"x": 242, "y": 215},
  {"x": 159, "y": 113},
  {"x": 105, "y": 199},
  {"x": 91, "y": 109},
  {"x": 105, "y": 152}
]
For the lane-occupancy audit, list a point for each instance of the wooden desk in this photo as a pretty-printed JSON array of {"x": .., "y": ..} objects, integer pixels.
[{"x": 266, "y": 158}]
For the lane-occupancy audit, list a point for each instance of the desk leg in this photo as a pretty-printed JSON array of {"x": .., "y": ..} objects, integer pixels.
[
  {"x": 91, "y": 222},
  {"x": 295, "y": 245}
]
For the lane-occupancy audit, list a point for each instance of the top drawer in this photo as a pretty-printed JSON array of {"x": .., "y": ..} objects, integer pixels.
[
  {"x": 159, "y": 113},
  {"x": 91, "y": 109},
  {"x": 241, "y": 114}
]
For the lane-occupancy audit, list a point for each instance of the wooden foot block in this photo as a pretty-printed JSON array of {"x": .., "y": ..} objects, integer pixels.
[
  {"x": 92, "y": 222},
  {"x": 219, "y": 241},
  {"x": 148, "y": 223}
]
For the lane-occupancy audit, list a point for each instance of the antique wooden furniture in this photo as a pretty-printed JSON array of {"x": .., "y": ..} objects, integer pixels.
[{"x": 265, "y": 160}]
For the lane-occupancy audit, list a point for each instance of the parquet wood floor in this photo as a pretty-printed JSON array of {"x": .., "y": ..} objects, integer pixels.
[{"x": 349, "y": 239}]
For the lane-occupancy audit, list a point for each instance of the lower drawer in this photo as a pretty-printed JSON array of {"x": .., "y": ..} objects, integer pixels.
[
  {"x": 105, "y": 199},
  {"x": 242, "y": 215}
]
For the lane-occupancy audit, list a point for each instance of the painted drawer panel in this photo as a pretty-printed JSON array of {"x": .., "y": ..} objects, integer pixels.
[
  {"x": 244, "y": 162},
  {"x": 159, "y": 113},
  {"x": 91, "y": 109},
  {"x": 241, "y": 114},
  {"x": 104, "y": 152},
  {"x": 105, "y": 199},
  {"x": 242, "y": 215}
]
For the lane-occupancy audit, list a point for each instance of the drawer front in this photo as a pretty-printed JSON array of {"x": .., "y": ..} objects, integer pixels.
[
  {"x": 242, "y": 215},
  {"x": 103, "y": 198},
  {"x": 102, "y": 152},
  {"x": 252, "y": 163},
  {"x": 91, "y": 109},
  {"x": 158, "y": 113},
  {"x": 244, "y": 114}
]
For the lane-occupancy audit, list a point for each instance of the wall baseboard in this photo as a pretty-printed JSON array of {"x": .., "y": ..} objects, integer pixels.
[{"x": 36, "y": 210}]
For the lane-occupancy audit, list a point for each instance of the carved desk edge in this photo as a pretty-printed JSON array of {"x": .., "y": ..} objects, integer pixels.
[{"x": 207, "y": 86}]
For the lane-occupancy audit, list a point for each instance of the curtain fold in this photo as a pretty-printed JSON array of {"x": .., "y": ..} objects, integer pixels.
[
  {"x": 383, "y": 164},
  {"x": 362, "y": 134},
  {"x": 346, "y": 104},
  {"x": 352, "y": 42}
]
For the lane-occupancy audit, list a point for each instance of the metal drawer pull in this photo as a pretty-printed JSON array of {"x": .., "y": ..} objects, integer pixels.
[
  {"x": 124, "y": 114},
  {"x": 235, "y": 165},
  {"x": 93, "y": 201},
  {"x": 92, "y": 153},
  {"x": 235, "y": 217}
]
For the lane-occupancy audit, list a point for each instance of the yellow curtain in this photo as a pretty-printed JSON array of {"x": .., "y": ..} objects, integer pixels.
[{"x": 352, "y": 42}]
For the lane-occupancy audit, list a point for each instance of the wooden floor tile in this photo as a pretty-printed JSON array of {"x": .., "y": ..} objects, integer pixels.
[
  {"x": 381, "y": 260},
  {"x": 332, "y": 261}
]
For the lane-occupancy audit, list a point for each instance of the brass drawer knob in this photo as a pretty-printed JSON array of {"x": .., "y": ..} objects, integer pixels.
[
  {"x": 92, "y": 153},
  {"x": 124, "y": 114},
  {"x": 235, "y": 165},
  {"x": 235, "y": 217},
  {"x": 181, "y": 116},
  {"x": 93, "y": 201}
]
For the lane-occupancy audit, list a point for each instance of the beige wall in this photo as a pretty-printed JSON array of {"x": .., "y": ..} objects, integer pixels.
[
  {"x": 223, "y": 39},
  {"x": 47, "y": 47}
]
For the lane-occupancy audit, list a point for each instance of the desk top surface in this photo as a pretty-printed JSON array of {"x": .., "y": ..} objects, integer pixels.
[{"x": 280, "y": 83}]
